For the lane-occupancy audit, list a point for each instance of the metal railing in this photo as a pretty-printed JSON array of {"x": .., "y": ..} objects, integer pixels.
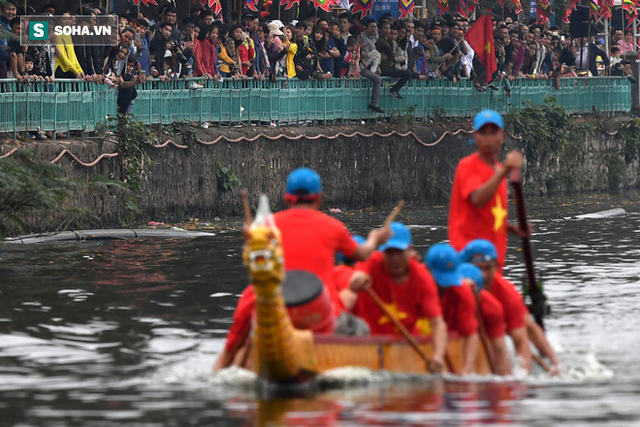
[{"x": 76, "y": 105}]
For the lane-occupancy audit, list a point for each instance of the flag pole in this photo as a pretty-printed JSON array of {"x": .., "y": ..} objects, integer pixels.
[
  {"x": 589, "y": 41},
  {"x": 635, "y": 30},
  {"x": 606, "y": 36}
]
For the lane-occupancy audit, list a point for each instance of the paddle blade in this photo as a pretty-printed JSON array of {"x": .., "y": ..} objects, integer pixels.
[{"x": 264, "y": 216}]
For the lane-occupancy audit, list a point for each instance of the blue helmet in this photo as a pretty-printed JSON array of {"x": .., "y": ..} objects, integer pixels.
[
  {"x": 443, "y": 262},
  {"x": 486, "y": 117},
  {"x": 479, "y": 250},
  {"x": 470, "y": 271},
  {"x": 401, "y": 238},
  {"x": 304, "y": 182}
]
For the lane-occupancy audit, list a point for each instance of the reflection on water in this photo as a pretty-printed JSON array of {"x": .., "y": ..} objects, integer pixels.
[{"x": 104, "y": 332}]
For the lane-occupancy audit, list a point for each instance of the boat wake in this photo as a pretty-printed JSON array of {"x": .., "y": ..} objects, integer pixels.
[{"x": 578, "y": 366}]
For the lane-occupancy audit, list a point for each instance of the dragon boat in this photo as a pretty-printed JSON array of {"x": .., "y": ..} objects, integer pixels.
[{"x": 281, "y": 354}]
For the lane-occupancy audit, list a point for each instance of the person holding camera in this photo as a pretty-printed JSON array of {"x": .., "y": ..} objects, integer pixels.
[{"x": 162, "y": 42}]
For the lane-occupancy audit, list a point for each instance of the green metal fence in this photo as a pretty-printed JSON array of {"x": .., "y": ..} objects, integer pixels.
[{"x": 74, "y": 105}]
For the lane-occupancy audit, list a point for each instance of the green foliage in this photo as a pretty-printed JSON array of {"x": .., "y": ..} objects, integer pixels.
[
  {"x": 405, "y": 118},
  {"x": 543, "y": 128},
  {"x": 100, "y": 184},
  {"x": 548, "y": 132},
  {"x": 30, "y": 186},
  {"x": 630, "y": 134},
  {"x": 185, "y": 131},
  {"x": 226, "y": 179},
  {"x": 133, "y": 138},
  {"x": 439, "y": 114},
  {"x": 616, "y": 170}
]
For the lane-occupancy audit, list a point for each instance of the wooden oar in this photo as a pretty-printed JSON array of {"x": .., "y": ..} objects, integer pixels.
[
  {"x": 394, "y": 213},
  {"x": 538, "y": 299},
  {"x": 374, "y": 296},
  {"x": 246, "y": 207},
  {"x": 542, "y": 363},
  {"x": 484, "y": 338},
  {"x": 399, "y": 326},
  {"x": 247, "y": 214}
]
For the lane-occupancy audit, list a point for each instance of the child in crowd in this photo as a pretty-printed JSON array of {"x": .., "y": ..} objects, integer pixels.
[{"x": 351, "y": 57}]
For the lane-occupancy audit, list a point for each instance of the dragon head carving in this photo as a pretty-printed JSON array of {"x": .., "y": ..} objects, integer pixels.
[{"x": 263, "y": 253}]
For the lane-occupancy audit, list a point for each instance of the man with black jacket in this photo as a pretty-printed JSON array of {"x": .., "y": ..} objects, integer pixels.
[
  {"x": 162, "y": 41},
  {"x": 306, "y": 55},
  {"x": 586, "y": 54}
]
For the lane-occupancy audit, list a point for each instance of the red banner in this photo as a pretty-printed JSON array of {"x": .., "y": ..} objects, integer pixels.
[
  {"x": 605, "y": 10},
  {"x": 461, "y": 8},
  {"x": 517, "y": 6},
  {"x": 145, "y": 2},
  {"x": 443, "y": 7},
  {"x": 363, "y": 6},
  {"x": 406, "y": 7},
  {"x": 252, "y": 5},
  {"x": 472, "y": 5},
  {"x": 323, "y": 4}
]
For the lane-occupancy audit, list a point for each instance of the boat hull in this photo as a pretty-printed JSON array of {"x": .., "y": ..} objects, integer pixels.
[{"x": 387, "y": 353}]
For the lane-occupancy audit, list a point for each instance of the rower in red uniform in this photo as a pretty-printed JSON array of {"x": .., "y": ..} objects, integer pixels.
[
  {"x": 342, "y": 273},
  {"x": 478, "y": 208},
  {"x": 310, "y": 240},
  {"x": 520, "y": 324},
  {"x": 457, "y": 300},
  {"x": 492, "y": 316},
  {"x": 406, "y": 288}
]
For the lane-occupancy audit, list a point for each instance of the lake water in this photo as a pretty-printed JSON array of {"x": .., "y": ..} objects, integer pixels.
[{"x": 126, "y": 331}]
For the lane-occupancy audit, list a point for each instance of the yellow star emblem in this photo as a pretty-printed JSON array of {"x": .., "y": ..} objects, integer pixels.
[
  {"x": 393, "y": 309},
  {"x": 499, "y": 214},
  {"x": 487, "y": 47},
  {"x": 424, "y": 326}
]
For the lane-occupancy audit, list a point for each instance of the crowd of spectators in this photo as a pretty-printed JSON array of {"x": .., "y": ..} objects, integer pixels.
[{"x": 340, "y": 46}]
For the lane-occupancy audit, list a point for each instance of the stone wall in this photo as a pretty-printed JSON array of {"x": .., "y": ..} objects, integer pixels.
[{"x": 357, "y": 171}]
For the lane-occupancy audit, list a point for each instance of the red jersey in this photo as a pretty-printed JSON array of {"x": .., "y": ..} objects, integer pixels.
[
  {"x": 310, "y": 240},
  {"x": 459, "y": 310},
  {"x": 341, "y": 276},
  {"x": 241, "y": 325},
  {"x": 511, "y": 301},
  {"x": 492, "y": 315},
  {"x": 468, "y": 222},
  {"x": 412, "y": 302}
]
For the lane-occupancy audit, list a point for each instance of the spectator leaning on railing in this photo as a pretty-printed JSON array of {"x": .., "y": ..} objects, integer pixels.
[
  {"x": 316, "y": 48},
  {"x": 89, "y": 57},
  {"x": 16, "y": 51},
  {"x": 142, "y": 34},
  {"x": 67, "y": 65}
]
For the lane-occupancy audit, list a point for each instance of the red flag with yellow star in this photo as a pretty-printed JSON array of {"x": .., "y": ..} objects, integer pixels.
[{"x": 480, "y": 38}]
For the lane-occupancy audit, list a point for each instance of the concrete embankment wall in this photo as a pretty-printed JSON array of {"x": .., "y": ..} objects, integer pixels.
[{"x": 357, "y": 171}]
